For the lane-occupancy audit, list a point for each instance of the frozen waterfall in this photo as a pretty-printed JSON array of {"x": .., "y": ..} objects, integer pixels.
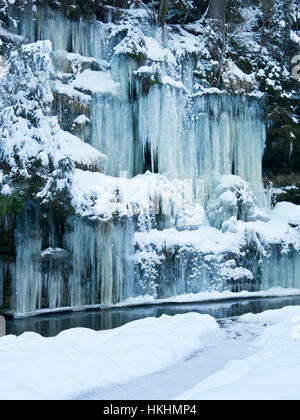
[{"x": 144, "y": 114}]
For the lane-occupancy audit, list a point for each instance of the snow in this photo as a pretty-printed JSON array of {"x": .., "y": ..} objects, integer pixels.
[
  {"x": 82, "y": 120},
  {"x": 295, "y": 38},
  {"x": 205, "y": 239},
  {"x": 169, "y": 81},
  {"x": 155, "y": 50},
  {"x": 102, "y": 196},
  {"x": 282, "y": 227},
  {"x": 95, "y": 82},
  {"x": 87, "y": 82},
  {"x": 33, "y": 367},
  {"x": 70, "y": 91},
  {"x": 78, "y": 60},
  {"x": 34, "y": 133},
  {"x": 207, "y": 91},
  {"x": 209, "y": 297},
  {"x": 272, "y": 372},
  {"x": 233, "y": 75},
  {"x": 229, "y": 198},
  {"x": 287, "y": 212},
  {"x": 235, "y": 273},
  {"x": 5, "y": 33},
  {"x": 183, "y": 357},
  {"x": 51, "y": 251},
  {"x": 78, "y": 151}
]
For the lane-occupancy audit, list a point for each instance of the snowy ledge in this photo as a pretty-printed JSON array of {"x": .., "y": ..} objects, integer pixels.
[
  {"x": 209, "y": 297},
  {"x": 281, "y": 228}
]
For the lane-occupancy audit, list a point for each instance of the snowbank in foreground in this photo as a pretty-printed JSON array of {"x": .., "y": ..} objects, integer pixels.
[
  {"x": 33, "y": 367},
  {"x": 272, "y": 372},
  {"x": 80, "y": 360}
]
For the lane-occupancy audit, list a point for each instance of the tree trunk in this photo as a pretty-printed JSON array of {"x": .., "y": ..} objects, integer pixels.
[
  {"x": 217, "y": 9},
  {"x": 163, "y": 10},
  {"x": 267, "y": 7}
]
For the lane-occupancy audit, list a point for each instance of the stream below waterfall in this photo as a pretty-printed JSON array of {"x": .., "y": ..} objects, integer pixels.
[{"x": 52, "y": 324}]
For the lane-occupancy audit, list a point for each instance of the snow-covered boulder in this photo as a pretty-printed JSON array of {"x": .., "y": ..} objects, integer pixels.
[{"x": 232, "y": 199}]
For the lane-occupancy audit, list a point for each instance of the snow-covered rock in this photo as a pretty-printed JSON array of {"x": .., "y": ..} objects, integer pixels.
[{"x": 232, "y": 197}]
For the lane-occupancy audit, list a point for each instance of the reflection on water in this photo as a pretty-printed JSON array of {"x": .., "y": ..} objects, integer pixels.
[{"x": 51, "y": 325}]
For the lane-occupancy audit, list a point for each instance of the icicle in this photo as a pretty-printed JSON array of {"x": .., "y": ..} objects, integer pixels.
[
  {"x": 27, "y": 281},
  {"x": 79, "y": 36},
  {"x": 281, "y": 269},
  {"x": 102, "y": 262},
  {"x": 113, "y": 133},
  {"x": 2, "y": 277},
  {"x": 7, "y": 273},
  {"x": 203, "y": 138}
]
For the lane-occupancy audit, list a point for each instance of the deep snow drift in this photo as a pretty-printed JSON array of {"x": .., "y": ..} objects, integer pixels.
[
  {"x": 33, "y": 367},
  {"x": 80, "y": 361}
]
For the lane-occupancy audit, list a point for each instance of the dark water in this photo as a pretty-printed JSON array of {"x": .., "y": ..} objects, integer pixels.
[{"x": 52, "y": 324}]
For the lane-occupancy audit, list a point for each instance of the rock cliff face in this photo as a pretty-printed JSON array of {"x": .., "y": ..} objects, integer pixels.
[{"x": 142, "y": 152}]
